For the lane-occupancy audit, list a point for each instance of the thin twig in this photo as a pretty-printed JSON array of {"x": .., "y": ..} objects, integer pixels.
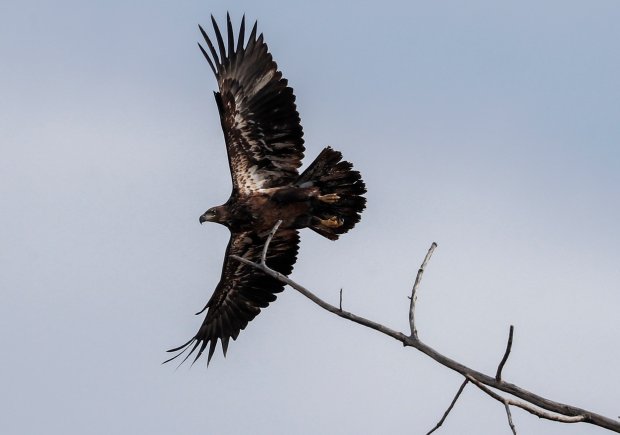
[
  {"x": 414, "y": 297},
  {"x": 263, "y": 257},
  {"x": 340, "y": 299},
  {"x": 445, "y": 414},
  {"x": 509, "y": 415},
  {"x": 531, "y": 408},
  {"x": 498, "y": 375}
]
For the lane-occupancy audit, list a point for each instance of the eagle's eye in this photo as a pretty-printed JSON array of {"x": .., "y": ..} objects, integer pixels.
[{"x": 212, "y": 212}]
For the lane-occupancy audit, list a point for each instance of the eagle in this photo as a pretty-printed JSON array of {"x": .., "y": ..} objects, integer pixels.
[{"x": 265, "y": 145}]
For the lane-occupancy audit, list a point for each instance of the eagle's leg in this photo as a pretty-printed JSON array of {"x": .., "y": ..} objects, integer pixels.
[
  {"x": 329, "y": 198},
  {"x": 332, "y": 222}
]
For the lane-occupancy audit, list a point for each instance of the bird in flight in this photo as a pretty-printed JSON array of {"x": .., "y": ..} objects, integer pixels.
[{"x": 265, "y": 145}]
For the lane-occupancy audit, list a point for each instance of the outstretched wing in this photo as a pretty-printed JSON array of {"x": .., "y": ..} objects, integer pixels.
[
  {"x": 260, "y": 121},
  {"x": 242, "y": 290}
]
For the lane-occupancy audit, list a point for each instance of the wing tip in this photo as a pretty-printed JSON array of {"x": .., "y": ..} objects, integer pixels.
[
  {"x": 226, "y": 51},
  {"x": 204, "y": 53},
  {"x": 241, "y": 37},
  {"x": 212, "y": 342},
  {"x": 218, "y": 36},
  {"x": 225, "y": 341},
  {"x": 230, "y": 34},
  {"x": 183, "y": 348}
]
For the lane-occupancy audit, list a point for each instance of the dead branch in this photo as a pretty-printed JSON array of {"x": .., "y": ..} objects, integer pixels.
[
  {"x": 263, "y": 258},
  {"x": 445, "y": 414},
  {"x": 530, "y": 408},
  {"x": 414, "y": 290},
  {"x": 510, "y": 423},
  {"x": 531, "y": 402},
  {"x": 498, "y": 375}
]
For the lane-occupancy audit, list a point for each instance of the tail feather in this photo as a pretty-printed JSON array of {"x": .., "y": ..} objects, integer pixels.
[{"x": 332, "y": 175}]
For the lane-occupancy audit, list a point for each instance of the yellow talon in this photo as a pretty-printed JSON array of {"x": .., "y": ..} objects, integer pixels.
[
  {"x": 332, "y": 222},
  {"x": 330, "y": 198}
]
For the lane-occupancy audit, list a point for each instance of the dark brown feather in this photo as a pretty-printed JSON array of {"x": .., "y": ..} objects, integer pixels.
[
  {"x": 262, "y": 129},
  {"x": 240, "y": 40},
  {"x": 242, "y": 291}
]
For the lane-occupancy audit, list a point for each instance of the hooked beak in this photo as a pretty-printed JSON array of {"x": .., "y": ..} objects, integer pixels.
[{"x": 208, "y": 216}]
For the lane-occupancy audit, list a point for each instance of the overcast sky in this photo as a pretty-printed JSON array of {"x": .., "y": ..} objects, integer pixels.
[{"x": 491, "y": 128}]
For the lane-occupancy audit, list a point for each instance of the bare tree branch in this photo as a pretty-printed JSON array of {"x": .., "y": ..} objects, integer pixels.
[
  {"x": 533, "y": 403},
  {"x": 414, "y": 290},
  {"x": 445, "y": 414},
  {"x": 263, "y": 257},
  {"x": 498, "y": 375},
  {"x": 533, "y": 409},
  {"x": 509, "y": 415},
  {"x": 340, "y": 299}
]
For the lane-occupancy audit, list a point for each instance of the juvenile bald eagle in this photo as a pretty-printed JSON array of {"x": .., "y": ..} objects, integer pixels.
[{"x": 264, "y": 141}]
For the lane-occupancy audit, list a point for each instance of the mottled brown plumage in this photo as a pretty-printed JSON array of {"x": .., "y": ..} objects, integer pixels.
[{"x": 265, "y": 145}]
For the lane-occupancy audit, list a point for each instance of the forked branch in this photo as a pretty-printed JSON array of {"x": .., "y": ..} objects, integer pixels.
[
  {"x": 531, "y": 402},
  {"x": 529, "y": 407}
]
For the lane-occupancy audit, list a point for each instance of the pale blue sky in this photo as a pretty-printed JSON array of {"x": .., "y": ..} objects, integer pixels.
[{"x": 489, "y": 127}]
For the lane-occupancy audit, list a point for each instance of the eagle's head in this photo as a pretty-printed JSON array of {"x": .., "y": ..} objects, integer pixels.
[{"x": 214, "y": 214}]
